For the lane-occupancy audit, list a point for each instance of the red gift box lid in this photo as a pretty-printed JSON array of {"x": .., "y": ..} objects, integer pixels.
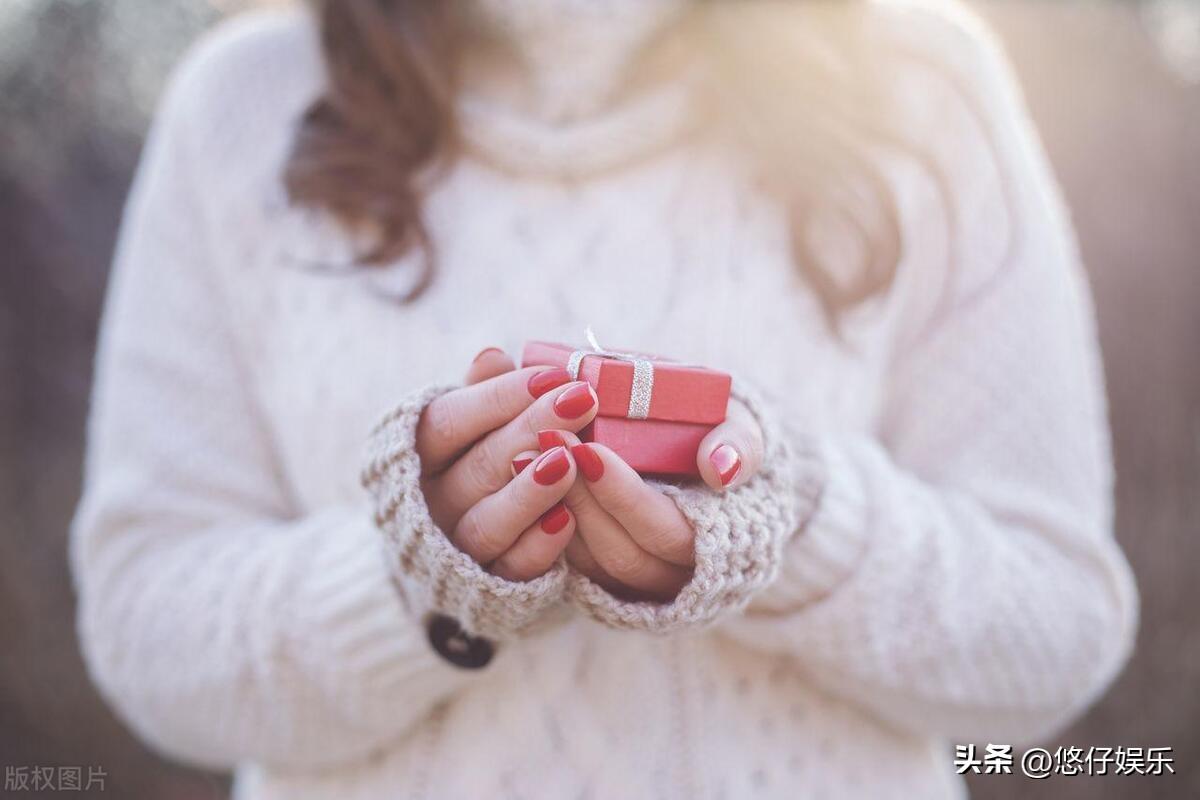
[{"x": 681, "y": 393}]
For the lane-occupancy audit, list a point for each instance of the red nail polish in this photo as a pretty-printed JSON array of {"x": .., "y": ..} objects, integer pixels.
[
  {"x": 543, "y": 382},
  {"x": 555, "y": 519},
  {"x": 519, "y": 464},
  {"x": 551, "y": 466},
  {"x": 589, "y": 462},
  {"x": 484, "y": 352},
  {"x": 726, "y": 462},
  {"x": 550, "y": 439},
  {"x": 574, "y": 402}
]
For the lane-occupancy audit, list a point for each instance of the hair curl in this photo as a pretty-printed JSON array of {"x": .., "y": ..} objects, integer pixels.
[{"x": 807, "y": 97}]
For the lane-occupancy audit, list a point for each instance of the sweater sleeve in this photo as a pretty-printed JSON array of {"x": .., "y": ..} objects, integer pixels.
[
  {"x": 221, "y": 623},
  {"x": 437, "y": 577},
  {"x": 959, "y": 576}
]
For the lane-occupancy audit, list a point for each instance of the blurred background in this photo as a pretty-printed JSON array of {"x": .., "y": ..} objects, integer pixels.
[{"x": 1113, "y": 84}]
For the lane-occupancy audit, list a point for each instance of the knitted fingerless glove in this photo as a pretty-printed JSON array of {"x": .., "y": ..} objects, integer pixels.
[
  {"x": 740, "y": 536},
  {"x": 432, "y": 574}
]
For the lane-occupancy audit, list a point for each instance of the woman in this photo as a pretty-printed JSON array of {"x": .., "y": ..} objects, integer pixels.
[{"x": 903, "y": 536}]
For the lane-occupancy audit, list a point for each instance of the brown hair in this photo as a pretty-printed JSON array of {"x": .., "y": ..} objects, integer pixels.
[{"x": 808, "y": 99}]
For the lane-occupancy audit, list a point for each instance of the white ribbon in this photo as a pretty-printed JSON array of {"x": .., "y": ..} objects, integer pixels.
[{"x": 643, "y": 374}]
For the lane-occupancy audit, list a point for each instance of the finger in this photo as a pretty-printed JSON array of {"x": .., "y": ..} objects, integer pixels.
[
  {"x": 490, "y": 362},
  {"x": 588, "y": 511},
  {"x": 650, "y": 517},
  {"x": 582, "y": 561},
  {"x": 618, "y": 559},
  {"x": 665, "y": 532},
  {"x": 579, "y": 557},
  {"x": 454, "y": 421},
  {"x": 522, "y": 460},
  {"x": 731, "y": 452},
  {"x": 556, "y": 437},
  {"x": 493, "y": 524},
  {"x": 536, "y": 550},
  {"x": 486, "y": 467}
]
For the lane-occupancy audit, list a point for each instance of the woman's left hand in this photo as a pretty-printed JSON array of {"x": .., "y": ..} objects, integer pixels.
[{"x": 631, "y": 538}]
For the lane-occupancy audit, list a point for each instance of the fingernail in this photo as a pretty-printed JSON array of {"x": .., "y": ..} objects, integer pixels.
[
  {"x": 484, "y": 352},
  {"x": 550, "y": 439},
  {"x": 726, "y": 462},
  {"x": 555, "y": 519},
  {"x": 519, "y": 464},
  {"x": 589, "y": 462},
  {"x": 574, "y": 402},
  {"x": 551, "y": 466},
  {"x": 543, "y": 382}
]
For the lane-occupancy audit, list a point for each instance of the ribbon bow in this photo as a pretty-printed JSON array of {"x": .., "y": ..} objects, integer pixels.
[{"x": 643, "y": 374}]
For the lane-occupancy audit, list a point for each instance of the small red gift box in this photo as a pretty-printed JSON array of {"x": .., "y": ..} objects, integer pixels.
[{"x": 653, "y": 412}]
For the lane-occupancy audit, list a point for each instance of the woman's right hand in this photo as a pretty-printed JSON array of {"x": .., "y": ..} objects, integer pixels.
[{"x": 467, "y": 440}]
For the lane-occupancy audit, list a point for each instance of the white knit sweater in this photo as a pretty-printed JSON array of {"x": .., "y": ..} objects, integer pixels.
[{"x": 957, "y": 582}]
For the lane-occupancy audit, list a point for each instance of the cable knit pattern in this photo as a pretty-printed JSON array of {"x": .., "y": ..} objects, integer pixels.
[
  {"x": 433, "y": 573},
  {"x": 926, "y": 556}
]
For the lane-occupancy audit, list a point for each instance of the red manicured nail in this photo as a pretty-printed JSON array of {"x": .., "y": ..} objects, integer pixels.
[
  {"x": 551, "y": 466},
  {"x": 543, "y": 382},
  {"x": 484, "y": 352},
  {"x": 726, "y": 462},
  {"x": 555, "y": 519},
  {"x": 519, "y": 464},
  {"x": 574, "y": 402},
  {"x": 589, "y": 462},
  {"x": 550, "y": 439}
]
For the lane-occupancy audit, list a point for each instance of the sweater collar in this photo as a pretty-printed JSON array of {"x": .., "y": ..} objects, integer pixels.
[{"x": 573, "y": 87}]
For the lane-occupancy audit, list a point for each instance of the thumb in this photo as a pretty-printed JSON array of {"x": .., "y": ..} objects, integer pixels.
[
  {"x": 732, "y": 452},
  {"x": 490, "y": 362}
]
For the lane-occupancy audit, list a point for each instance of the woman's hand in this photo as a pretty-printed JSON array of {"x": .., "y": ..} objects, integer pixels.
[
  {"x": 633, "y": 540},
  {"x": 467, "y": 439}
]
